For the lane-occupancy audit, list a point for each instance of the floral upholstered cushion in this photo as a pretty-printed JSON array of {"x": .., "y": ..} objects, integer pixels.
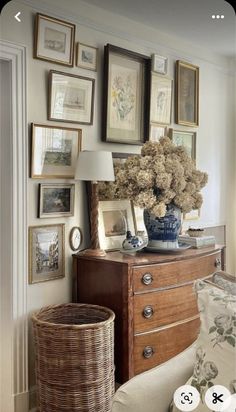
[{"x": 216, "y": 344}]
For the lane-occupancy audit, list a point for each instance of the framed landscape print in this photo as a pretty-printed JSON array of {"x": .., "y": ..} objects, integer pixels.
[
  {"x": 126, "y": 96},
  {"x": 186, "y": 139},
  {"x": 56, "y": 200},
  {"x": 71, "y": 98},
  {"x": 54, "y": 151},
  {"x": 159, "y": 64},
  {"x": 114, "y": 218},
  {"x": 187, "y": 94},
  {"x": 157, "y": 131},
  {"x": 46, "y": 253},
  {"x": 87, "y": 56},
  {"x": 54, "y": 40},
  {"x": 161, "y": 95}
]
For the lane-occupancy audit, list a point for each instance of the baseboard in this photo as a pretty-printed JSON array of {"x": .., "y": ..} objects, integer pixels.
[{"x": 21, "y": 402}]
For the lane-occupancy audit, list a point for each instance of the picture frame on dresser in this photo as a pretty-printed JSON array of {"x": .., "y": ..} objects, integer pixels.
[
  {"x": 54, "y": 40},
  {"x": 56, "y": 200},
  {"x": 184, "y": 138},
  {"x": 71, "y": 98},
  {"x": 187, "y": 94},
  {"x": 46, "y": 253},
  {"x": 126, "y": 88},
  {"x": 161, "y": 99},
  {"x": 87, "y": 56},
  {"x": 54, "y": 151}
]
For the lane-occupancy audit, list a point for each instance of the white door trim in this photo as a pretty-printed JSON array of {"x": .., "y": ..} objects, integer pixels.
[{"x": 16, "y": 55}]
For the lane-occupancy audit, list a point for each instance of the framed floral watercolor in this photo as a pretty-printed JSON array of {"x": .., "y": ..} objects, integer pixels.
[
  {"x": 46, "y": 253},
  {"x": 87, "y": 56},
  {"x": 186, "y": 139},
  {"x": 56, "y": 200},
  {"x": 161, "y": 96},
  {"x": 54, "y": 40},
  {"x": 157, "y": 131},
  {"x": 187, "y": 94},
  {"x": 115, "y": 216},
  {"x": 71, "y": 98},
  {"x": 126, "y": 96},
  {"x": 54, "y": 151},
  {"x": 159, "y": 64}
]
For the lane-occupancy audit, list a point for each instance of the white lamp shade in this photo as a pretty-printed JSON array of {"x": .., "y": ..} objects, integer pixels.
[{"x": 95, "y": 166}]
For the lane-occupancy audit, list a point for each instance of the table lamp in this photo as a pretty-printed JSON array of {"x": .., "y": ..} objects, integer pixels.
[{"x": 94, "y": 166}]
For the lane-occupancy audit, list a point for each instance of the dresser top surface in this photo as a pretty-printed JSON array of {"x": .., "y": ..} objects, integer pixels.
[{"x": 142, "y": 258}]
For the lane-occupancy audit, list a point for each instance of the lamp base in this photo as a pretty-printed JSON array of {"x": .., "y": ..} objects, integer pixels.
[{"x": 93, "y": 252}]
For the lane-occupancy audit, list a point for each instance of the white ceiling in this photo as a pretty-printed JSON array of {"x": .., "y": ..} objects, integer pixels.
[{"x": 187, "y": 19}]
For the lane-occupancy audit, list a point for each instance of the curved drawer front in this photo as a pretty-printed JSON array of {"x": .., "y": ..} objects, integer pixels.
[
  {"x": 155, "y": 309},
  {"x": 175, "y": 273},
  {"x": 152, "y": 349}
]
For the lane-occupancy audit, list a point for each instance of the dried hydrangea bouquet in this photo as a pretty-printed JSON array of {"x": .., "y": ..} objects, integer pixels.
[{"x": 164, "y": 181}]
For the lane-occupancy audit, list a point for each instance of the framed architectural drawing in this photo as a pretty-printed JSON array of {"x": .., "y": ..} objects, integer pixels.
[
  {"x": 56, "y": 200},
  {"x": 87, "y": 56},
  {"x": 126, "y": 96},
  {"x": 46, "y": 253},
  {"x": 161, "y": 95},
  {"x": 71, "y": 98},
  {"x": 187, "y": 94},
  {"x": 54, "y": 40},
  {"x": 186, "y": 139}
]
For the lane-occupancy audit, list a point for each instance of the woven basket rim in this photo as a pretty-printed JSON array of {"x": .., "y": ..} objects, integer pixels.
[{"x": 111, "y": 318}]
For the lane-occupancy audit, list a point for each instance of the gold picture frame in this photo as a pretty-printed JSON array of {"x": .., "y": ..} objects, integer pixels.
[
  {"x": 54, "y": 151},
  {"x": 184, "y": 138},
  {"x": 87, "y": 56},
  {"x": 46, "y": 253},
  {"x": 187, "y": 94},
  {"x": 54, "y": 40}
]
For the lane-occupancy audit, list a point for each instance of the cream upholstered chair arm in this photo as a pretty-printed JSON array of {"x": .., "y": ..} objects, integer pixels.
[{"x": 152, "y": 391}]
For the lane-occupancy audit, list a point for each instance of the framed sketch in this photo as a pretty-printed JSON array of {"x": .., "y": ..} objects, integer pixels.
[
  {"x": 187, "y": 94},
  {"x": 186, "y": 139},
  {"x": 115, "y": 217},
  {"x": 126, "y": 96},
  {"x": 56, "y": 200},
  {"x": 71, "y": 98},
  {"x": 159, "y": 64},
  {"x": 161, "y": 94},
  {"x": 87, "y": 56},
  {"x": 157, "y": 131},
  {"x": 54, "y": 151},
  {"x": 193, "y": 215},
  {"x": 46, "y": 253},
  {"x": 54, "y": 40}
]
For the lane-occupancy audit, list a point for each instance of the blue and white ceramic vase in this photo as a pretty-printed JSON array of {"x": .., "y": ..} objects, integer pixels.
[{"x": 163, "y": 232}]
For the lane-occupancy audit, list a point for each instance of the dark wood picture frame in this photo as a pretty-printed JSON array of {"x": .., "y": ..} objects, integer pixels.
[
  {"x": 187, "y": 94},
  {"x": 132, "y": 96}
]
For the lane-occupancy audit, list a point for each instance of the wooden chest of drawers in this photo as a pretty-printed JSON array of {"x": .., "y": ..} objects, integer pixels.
[{"x": 153, "y": 299}]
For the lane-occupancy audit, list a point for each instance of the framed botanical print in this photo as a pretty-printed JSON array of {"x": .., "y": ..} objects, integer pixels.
[
  {"x": 54, "y": 151},
  {"x": 126, "y": 96},
  {"x": 87, "y": 56},
  {"x": 161, "y": 95},
  {"x": 159, "y": 64},
  {"x": 56, "y": 200},
  {"x": 46, "y": 253},
  {"x": 115, "y": 217},
  {"x": 157, "y": 131},
  {"x": 186, "y": 139},
  {"x": 71, "y": 98},
  {"x": 54, "y": 40},
  {"x": 187, "y": 94}
]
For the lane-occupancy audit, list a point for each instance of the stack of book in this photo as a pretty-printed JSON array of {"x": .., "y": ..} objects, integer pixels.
[{"x": 198, "y": 242}]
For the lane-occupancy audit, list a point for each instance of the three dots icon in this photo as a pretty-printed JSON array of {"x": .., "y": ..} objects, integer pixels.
[{"x": 217, "y": 16}]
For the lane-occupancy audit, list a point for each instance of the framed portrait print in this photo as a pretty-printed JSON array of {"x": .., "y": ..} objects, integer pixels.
[
  {"x": 54, "y": 40},
  {"x": 54, "y": 151},
  {"x": 126, "y": 96},
  {"x": 186, "y": 139},
  {"x": 71, "y": 98},
  {"x": 46, "y": 253},
  {"x": 157, "y": 131},
  {"x": 187, "y": 94},
  {"x": 114, "y": 218},
  {"x": 161, "y": 95},
  {"x": 159, "y": 64},
  {"x": 87, "y": 56},
  {"x": 56, "y": 200}
]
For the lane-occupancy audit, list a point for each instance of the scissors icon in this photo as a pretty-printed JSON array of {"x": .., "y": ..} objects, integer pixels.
[{"x": 217, "y": 398}]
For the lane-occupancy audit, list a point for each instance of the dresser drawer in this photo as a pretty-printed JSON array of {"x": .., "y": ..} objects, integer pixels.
[
  {"x": 160, "y": 308},
  {"x": 175, "y": 273},
  {"x": 151, "y": 349}
]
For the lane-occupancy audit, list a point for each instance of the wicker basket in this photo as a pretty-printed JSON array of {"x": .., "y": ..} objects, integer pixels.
[{"x": 74, "y": 358}]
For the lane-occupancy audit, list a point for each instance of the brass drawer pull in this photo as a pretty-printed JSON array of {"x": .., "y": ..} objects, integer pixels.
[
  {"x": 147, "y": 279},
  {"x": 148, "y": 352},
  {"x": 148, "y": 312},
  {"x": 218, "y": 263}
]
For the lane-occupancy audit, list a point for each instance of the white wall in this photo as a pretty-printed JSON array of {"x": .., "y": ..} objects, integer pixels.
[{"x": 215, "y": 135}]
